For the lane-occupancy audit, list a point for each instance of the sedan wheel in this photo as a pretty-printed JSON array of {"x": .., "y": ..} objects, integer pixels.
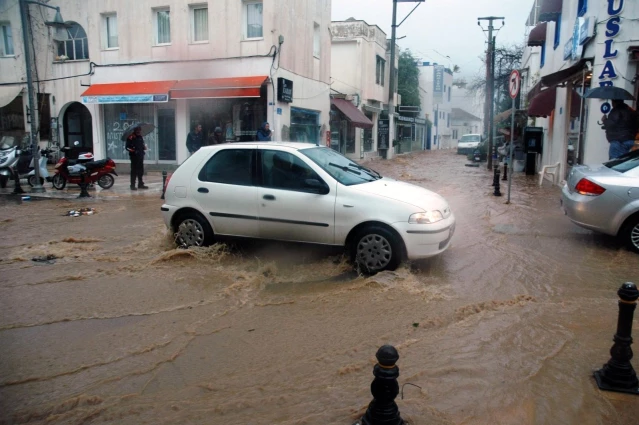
[
  {"x": 193, "y": 230},
  {"x": 376, "y": 249},
  {"x": 631, "y": 234}
]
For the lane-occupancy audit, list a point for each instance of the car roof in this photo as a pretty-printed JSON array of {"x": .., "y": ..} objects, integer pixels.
[{"x": 291, "y": 145}]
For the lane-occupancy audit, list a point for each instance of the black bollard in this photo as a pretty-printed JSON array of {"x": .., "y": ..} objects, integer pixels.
[
  {"x": 163, "y": 183},
  {"x": 383, "y": 410},
  {"x": 494, "y": 177},
  {"x": 497, "y": 187},
  {"x": 83, "y": 187},
  {"x": 17, "y": 188},
  {"x": 505, "y": 178},
  {"x": 618, "y": 374}
]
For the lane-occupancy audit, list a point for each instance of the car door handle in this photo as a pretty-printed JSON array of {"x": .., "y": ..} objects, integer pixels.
[
  {"x": 203, "y": 190},
  {"x": 268, "y": 197}
]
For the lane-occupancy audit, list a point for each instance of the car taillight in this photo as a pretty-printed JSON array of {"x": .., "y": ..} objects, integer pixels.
[{"x": 586, "y": 187}]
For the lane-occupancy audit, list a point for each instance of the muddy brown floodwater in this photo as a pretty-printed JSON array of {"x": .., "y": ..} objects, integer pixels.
[{"x": 506, "y": 327}]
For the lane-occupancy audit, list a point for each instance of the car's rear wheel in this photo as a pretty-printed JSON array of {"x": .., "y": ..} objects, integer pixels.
[
  {"x": 630, "y": 233},
  {"x": 193, "y": 230},
  {"x": 375, "y": 249}
]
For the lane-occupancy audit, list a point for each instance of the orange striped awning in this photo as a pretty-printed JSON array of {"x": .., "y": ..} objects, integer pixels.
[
  {"x": 133, "y": 92},
  {"x": 218, "y": 88}
]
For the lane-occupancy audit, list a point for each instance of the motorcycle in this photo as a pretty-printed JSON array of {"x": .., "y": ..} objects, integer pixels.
[
  {"x": 13, "y": 159},
  {"x": 85, "y": 167}
]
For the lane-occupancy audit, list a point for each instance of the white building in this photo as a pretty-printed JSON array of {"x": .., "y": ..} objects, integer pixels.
[
  {"x": 574, "y": 45},
  {"x": 359, "y": 76},
  {"x": 436, "y": 82},
  {"x": 226, "y": 63},
  {"x": 462, "y": 123}
]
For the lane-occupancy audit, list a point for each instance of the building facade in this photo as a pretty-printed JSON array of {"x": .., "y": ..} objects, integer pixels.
[
  {"x": 462, "y": 123},
  {"x": 574, "y": 45},
  {"x": 224, "y": 63},
  {"x": 436, "y": 82}
]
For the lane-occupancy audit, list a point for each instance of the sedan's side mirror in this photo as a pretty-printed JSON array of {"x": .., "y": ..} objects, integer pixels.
[{"x": 316, "y": 186}]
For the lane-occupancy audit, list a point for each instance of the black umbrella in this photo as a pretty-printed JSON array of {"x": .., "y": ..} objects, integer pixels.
[
  {"x": 145, "y": 127},
  {"x": 609, "y": 92}
]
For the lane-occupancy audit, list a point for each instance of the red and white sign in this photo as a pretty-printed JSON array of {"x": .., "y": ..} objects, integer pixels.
[{"x": 514, "y": 83}]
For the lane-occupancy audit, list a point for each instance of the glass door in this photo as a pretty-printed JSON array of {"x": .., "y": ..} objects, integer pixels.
[{"x": 166, "y": 140}]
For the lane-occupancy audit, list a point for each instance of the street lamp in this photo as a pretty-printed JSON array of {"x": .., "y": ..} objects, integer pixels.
[
  {"x": 59, "y": 24},
  {"x": 391, "y": 89}
]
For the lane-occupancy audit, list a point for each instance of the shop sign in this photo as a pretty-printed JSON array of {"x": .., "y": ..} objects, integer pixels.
[
  {"x": 420, "y": 121},
  {"x": 405, "y": 119},
  {"x": 438, "y": 84},
  {"x": 568, "y": 49},
  {"x": 586, "y": 30},
  {"x": 147, "y": 98},
  {"x": 284, "y": 90},
  {"x": 383, "y": 130},
  {"x": 577, "y": 48},
  {"x": 613, "y": 28}
]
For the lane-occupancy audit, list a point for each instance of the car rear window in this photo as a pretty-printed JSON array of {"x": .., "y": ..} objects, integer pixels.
[
  {"x": 624, "y": 163},
  {"x": 469, "y": 138}
]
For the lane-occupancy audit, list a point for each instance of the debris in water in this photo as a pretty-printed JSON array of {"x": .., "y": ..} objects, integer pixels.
[
  {"x": 416, "y": 325},
  {"x": 81, "y": 211},
  {"x": 46, "y": 259}
]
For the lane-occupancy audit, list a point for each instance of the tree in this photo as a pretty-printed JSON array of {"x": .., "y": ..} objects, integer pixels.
[
  {"x": 408, "y": 79},
  {"x": 507, "y": 58}
]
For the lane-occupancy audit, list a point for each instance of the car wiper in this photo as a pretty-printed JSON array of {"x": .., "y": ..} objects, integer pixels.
[
  {"x": 368, "y": 171},
  {"x": 344, "y": 168}
]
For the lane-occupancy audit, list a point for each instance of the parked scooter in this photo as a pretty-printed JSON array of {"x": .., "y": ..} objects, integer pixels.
[
  {"x": 13, "y": 159},
  {"x": 74, "y": 171}
]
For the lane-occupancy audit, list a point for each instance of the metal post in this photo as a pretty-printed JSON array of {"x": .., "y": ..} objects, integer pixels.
[
  {"x": 163, "y": 183},
  {"x": 37, "y": 188},
  {"x": 383, "y": 410},
  {"x": 391, "y": 83},
  {"x": 493, "y": 146},
  {"x": 512, "y": 150},
  {"x": 618, "y": 374}
]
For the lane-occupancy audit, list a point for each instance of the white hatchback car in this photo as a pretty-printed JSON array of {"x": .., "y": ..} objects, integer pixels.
[{"x": 304, "y": 193}]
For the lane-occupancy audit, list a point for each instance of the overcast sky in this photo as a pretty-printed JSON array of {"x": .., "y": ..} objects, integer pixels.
[{"x": 447, "y": 26}]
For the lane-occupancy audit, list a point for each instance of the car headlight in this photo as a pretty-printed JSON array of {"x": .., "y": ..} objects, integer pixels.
[{"x": 427, "y": 217}]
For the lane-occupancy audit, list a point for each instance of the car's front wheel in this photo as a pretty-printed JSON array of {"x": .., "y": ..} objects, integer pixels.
[
  {"x": 193, "y": 230},
  {"x": 375, "y": 249},
  {"x": 630, "y": 234}
]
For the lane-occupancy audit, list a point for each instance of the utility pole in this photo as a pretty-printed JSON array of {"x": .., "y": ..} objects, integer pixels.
[
  {"x": 391, "y": 80},
  {"x": 26, "y": 41},
  {"x": 490, "y": 85}
]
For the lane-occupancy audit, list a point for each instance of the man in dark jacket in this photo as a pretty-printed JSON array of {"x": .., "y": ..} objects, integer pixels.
[
  {"x": 136, "y": 148},
  {"x": 195, "y": 139},
  {"x": 264, "y": 133},
  {"x": 621, "y": 126}
]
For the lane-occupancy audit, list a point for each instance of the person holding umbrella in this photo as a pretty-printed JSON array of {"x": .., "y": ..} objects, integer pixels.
[
  {"x": 621, "y": 128},
  {"x": 136, "y": 147},
  {"x": 621, "y": 124}
]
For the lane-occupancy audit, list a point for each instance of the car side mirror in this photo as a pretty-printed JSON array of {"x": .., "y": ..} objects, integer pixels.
[{"x": 316, "y": 186}]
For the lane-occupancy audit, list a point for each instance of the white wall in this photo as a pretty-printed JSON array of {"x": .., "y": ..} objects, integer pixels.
[{"x": 443, "y": 131}]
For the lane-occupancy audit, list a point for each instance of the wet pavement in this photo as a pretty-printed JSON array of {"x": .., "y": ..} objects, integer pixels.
[{"x": 506, "y": 327}]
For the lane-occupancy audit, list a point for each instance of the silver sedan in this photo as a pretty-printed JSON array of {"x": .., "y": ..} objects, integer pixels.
[{"x": 605, "y": 198}]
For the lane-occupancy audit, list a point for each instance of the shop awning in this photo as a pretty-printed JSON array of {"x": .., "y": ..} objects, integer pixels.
[
  {"x": 8, "y": 93},
  {"x": 543, "y": 104},
  {"x": 507, "y": 115},
  {"x": 550, "y": 10},
  {"x": 354, "y": 115},
  {"x": 135, "y": 92},
  {"x": 537, "y": 36},
  {"x": 218, "y": 88},
  {"x": 564, "y": 75}
]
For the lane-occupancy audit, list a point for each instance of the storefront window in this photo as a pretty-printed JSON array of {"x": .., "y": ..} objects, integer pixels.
[
  {"x": 12, "y": 118},
  {"x": 118, "y": 118},
  {"x": 368, "y": 134},
  {"x": 239, "y": 119},
  {"x": 305, "y": 126}
]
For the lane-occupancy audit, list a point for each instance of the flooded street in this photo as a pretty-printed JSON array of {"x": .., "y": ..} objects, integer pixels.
[{"x": 506, "y": 327}]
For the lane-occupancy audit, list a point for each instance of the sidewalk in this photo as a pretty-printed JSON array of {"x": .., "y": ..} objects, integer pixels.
[{"x": 121, "y": 189}]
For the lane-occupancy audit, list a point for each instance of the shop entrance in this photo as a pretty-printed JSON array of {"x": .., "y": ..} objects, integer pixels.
[{"x": 239, "y": 119}]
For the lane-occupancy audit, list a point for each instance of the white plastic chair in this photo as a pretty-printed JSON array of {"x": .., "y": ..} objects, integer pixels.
[{"x": 551, "y": 170}]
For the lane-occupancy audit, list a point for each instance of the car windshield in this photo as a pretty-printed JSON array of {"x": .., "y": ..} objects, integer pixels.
[
  {"x": 470, "y": 138},
  {"x": 339, "y": 167},
  {"x": 624, "y": 163}
]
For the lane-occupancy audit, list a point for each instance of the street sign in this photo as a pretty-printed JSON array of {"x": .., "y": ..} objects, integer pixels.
[{"x": 514, "y": 83}]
